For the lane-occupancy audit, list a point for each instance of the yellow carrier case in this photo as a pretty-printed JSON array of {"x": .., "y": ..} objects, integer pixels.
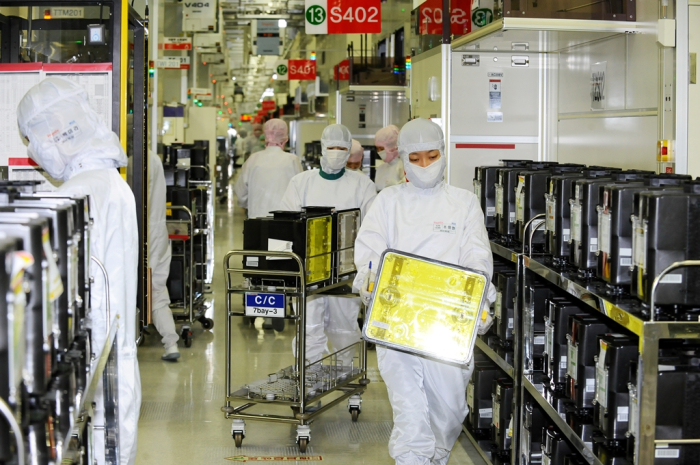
[{"x": 425, "y": 307}]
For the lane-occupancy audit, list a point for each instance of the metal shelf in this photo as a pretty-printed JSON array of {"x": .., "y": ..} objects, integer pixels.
[
  {"x": 504, "y": 252},
  {"x": 497, "y": 359},
  {"x": 625, "y": 311},
  {"x": 85, "y": 398},
  {"x": 476, "y": 445},
  {"x": 559, "y": 34},
  {"x": 564, "y": 427}
]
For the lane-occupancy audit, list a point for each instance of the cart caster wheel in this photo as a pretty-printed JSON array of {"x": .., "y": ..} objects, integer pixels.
[
  {"x": 355, "y": 415},
  {"x": 186, "y": 336},
  {"x": 207, "y": 323},
  {"x": 238, "y": 439},
  {"x": 303, "y": 444}
]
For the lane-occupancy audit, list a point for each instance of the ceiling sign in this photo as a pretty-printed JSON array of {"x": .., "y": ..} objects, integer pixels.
[
  {"x": 343, "y": 17},
  {"x": 300, "y": 70},
  {"x": 267, "y": 40},
  {"x": 176, "y": 43},
  {"x": 431, "y": 17},
  {"x": 269, "y": 105},
  {"x": 341, "y": 72}
]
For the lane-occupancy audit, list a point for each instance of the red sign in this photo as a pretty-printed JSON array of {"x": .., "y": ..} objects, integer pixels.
[
  {"x": 176, "y": 43},
  {"x": 431, "y": 17},
  {"x": 341, "y": 72},
  {"x": 269, "y": 105},
  {"x": 302, "y": 70},
  {"x": 354, "y": 17}
]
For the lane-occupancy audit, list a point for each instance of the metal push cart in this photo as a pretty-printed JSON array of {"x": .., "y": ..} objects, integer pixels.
[
  {"x": 204, "y": 223},
  {"x": 300, "y": 384},
  {"x": 193, "y": 306}
]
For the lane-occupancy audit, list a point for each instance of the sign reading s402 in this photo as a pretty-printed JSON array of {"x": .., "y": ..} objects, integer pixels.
[{"x": 343, "y": 17}]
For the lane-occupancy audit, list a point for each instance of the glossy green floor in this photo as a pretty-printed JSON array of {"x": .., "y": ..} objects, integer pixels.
[{"x": 181, "y": 421}]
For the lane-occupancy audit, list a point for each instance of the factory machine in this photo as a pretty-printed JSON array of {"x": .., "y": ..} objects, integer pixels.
[
  {"x": 595, "y": 320},
  {"x": 54, "y": 347}
]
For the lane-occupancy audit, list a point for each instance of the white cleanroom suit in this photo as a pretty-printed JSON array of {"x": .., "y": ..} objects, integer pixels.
[
  {"x": 427, "y": 396},
  {"x": 265, "y": 175},
  {"x": 159, "y": 258},
  {"x": 331, "y": 318},
  {"x": 72, "y": 143},
  {"x": 389, "y": 171}
]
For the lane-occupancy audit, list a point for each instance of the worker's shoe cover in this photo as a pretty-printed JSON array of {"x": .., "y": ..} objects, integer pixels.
[{"x": 171, "y": 354}]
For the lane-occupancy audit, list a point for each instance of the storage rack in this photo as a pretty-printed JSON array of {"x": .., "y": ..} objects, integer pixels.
[
  {"x": 626, "y": 312},
  {"x": 204, "y": 220}
]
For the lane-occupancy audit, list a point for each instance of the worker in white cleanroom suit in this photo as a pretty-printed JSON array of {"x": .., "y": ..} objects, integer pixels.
[
  {"x": 389, "y": 171},
  {"x": 427, "y": 396},
  {"x": 159, "y": 258},
  {"x": 73, "y": 144},
  {"x": 264, "y": 179},
  {"x": 331, "y": 319},
  {"x": 265, "y": 175},
  {"x": 253, "y": 144},
  {"x": 357, "y": 153}
]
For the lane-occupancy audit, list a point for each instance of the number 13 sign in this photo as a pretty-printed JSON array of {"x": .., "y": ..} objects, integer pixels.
[{"x": 343, "y": 16}]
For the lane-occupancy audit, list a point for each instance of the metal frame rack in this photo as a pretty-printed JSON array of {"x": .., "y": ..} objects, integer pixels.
[
  {"x": 299, "y": 385},
  {"x": 627, "y": 312},
  {"x": 193, "y": 306},
  {"x": 205, "y": 233}
]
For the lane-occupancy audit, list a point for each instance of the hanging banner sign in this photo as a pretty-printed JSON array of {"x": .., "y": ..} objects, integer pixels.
[
  {"x": 269, "y": 105},
  {"x": 431, "y": 17},
  {"x": 176, "y": 43},
  {"x": 299, "y": 70},
  {"x": 343, "y": 17},
  {"x": 341, "y": 72}
]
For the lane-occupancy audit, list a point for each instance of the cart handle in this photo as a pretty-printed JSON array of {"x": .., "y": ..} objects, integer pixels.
[
  {"x": 265, "y": 253},
  {"x": 532, "y": 233},
  {"x": 7, "y": 413},
  {"x": 106, "y": 278},
  {"x": 657, "y": 281}
]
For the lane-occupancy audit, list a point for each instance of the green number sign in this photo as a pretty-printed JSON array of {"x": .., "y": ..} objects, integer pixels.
[
  {"x": 316, "y": 15},
  {"x": 482, "y": 17},
  {"x": 282, "y": 69}
]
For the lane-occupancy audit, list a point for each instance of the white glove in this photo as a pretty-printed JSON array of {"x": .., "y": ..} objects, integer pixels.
[
  {"x": 365, "y": 293},
  {"x": 485, "y": 320}
]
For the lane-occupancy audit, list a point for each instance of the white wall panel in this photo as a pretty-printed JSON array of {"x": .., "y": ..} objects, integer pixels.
[
  {"x": 621, "y": 142},
  {"x": 422, "y": 69},
  {"x": 463, "y": 161},
  {"x": 470, "y": 96}
]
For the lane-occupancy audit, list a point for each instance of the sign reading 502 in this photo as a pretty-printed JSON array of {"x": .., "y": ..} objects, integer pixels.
[{"x": 343, "y": 17}]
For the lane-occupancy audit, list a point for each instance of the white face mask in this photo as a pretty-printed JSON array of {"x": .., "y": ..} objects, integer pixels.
[
  {"x": 334, "y": 160},
  {"x": 49, "y": 158},
  {"x": 382, "y": 154},
  {"x": 428, "y": 177}
]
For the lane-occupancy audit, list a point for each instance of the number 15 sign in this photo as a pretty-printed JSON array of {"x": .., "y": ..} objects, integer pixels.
[{"x": 343, "y": 16}]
